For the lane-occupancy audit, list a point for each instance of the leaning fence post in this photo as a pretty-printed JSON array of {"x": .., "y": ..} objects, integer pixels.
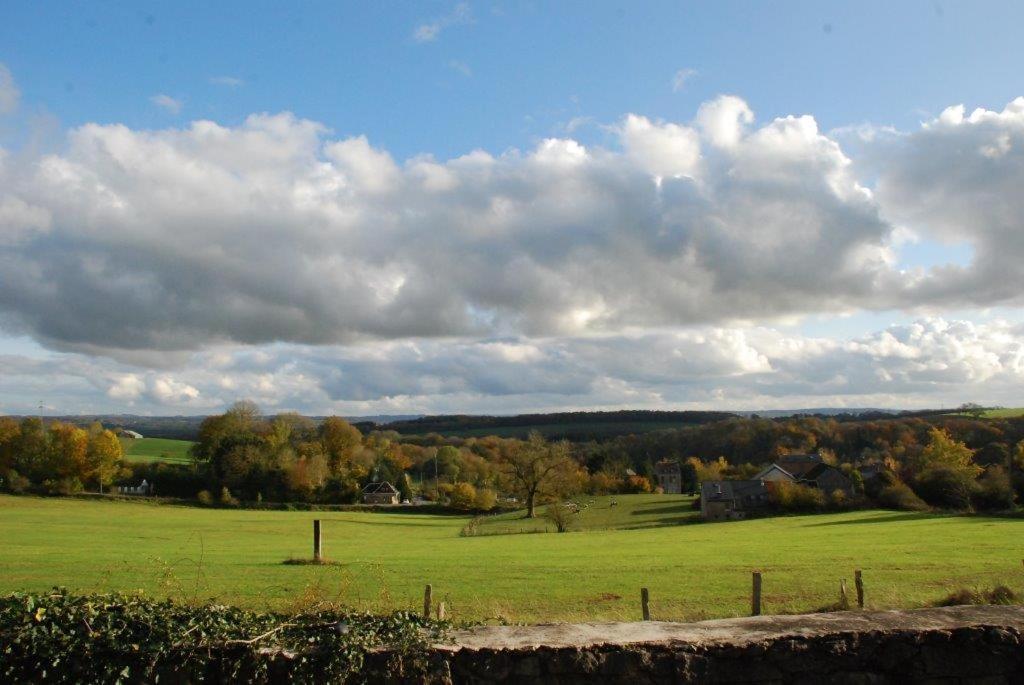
[
  {"x": 645, "y": 603},
  {"x": 844, "y": 600},
  {"x": 442, "y": 613},
  {"x": 858, "y": 580},
  {"x": 755, "y": 601},
  {"x": 426, "y": 601},
  {"x": 317, "y": 548}
]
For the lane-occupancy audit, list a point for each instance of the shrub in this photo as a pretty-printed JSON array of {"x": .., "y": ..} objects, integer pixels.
[
  {"x": 602, "y": 483},
  {"x": 63, "y": 486},
  {"x": 637, "y": 485},
  {"x": 118, "y": 638},
  {"x": 944, "y": 486},
  {"x": 227, "y": 499},
  {"x": 405, "y": 487},
  {"x": 838, "y": 499},
  {"x": 1000, "y": 594},
  {"x": 485, "y": 499},
  {"x": 994, "y": 491},
  {"x": 15, "y": 482},
  {"x": 463, "y": 496},
  {"x": 900, "y": 496},
  {"x": 205, "y": 498},
  {"x": 794, "y": 497},
  {"x": 560, "y": 515}
]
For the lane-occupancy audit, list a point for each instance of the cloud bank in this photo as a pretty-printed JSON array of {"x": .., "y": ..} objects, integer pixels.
[
  {"x": 669, "y": 255},
  {"x": 928, "y": 361}
]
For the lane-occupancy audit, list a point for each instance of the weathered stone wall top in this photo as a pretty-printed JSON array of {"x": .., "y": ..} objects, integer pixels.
[
  {"x": 734, "y": 631},
  {"x": 975, "y": 644}
]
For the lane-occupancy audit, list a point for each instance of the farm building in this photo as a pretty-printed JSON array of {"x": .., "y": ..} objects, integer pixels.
[
  {"x": 668, "y": 475},
  {"x": 819, "y": 474},
  {"x": 798, "y": 464},
  {"x": 380, "y": 493},
  {"x": 828, "y": 478},
  {"x": 721, "y": 500},
  {"x": 142, "y": 488},
  {"x": 132, "y": 435}
]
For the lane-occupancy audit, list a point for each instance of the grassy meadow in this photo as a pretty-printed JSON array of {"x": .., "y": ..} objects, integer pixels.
[
  {"x": 157, "y": 449},
  {"x": 599, "y": 513},
  {"x": 384, "y": 559}
]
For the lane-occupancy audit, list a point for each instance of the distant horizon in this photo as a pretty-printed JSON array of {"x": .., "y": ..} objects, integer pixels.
[{"x": 400, "y": 416}]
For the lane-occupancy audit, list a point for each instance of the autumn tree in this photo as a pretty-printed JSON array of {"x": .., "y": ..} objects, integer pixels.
[
  {"x": 69, "y": 446},
  {"x": 537, "y": 468},
  {"x": 341, "y": 441},
  {"x": 943, "y": 451},
  {"x": 103, "y": 456}
]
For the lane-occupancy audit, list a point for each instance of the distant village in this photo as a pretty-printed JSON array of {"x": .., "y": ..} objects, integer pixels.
[{"x": 722, "y": 500}]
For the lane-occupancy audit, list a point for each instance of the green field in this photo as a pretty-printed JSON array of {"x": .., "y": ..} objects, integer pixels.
[
  {"x": 1005, "y": 413},
  {"x": 598, "y": 513},
  {"x": 157, "y": 449},
  {"x": 693, "y": 571}
]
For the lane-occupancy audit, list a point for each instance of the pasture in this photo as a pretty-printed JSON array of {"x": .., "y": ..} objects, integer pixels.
[
  {"x": 619, "y": 512},
  {"x": 157, "y": 449},
  {"x": 385, "y": 558}
]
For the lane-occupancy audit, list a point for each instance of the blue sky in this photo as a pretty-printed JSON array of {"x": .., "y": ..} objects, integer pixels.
[
  {"x": 358, "y": 68},
  {"x": 862, "y": 256}
]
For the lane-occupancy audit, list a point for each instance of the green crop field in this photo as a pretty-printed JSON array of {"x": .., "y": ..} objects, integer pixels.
[
  {"x": 157, "y": 449},
  {"x": 384, "y": 559}
]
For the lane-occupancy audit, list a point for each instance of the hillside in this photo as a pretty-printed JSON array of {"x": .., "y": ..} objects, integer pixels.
[
  {"x": 568, "y": 425},
  {"x": 157, "y": 449}
]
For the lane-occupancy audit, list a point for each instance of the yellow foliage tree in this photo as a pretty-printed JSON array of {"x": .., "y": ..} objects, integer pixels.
[
  {"x": 943, "y": 450},
  {"x": 103, "y": 456}
]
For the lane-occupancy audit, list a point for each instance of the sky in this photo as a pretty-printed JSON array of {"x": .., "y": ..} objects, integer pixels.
[{"x": 498, "y": 207}]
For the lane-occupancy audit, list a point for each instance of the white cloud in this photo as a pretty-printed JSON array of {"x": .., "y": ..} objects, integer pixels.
[
  {"x": 927, "y": 362},
  {"x": 958, "y": 180},
  {"x": 227, "y": 81},
  {"x": 9, "y": 93},
  {"x": 460, "y": 67},
  {"x": 661, "y": 149},
  {"x": 724, "y": 120},
  {"x": 430, "y": 31},
  {"x": 681, "y": 77},
  {"x": 167, "y": 102},
  {"x": 217, "y": 262}
]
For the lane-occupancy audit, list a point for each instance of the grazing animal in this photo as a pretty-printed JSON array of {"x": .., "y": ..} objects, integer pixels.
[{"x": 614, "y": 503}]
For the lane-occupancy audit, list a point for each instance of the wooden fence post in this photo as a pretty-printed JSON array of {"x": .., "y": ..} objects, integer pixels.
[
  {"x": 426, "y": 601},
  {"x": 844, "y": 599},
  {"x": 645, "y": 603},
  {"x": 442, "y": 614},
  {"x": 755, "y": 601},
  {"x": 859, "y": 582},
  {"x": 317, "y": 547}
]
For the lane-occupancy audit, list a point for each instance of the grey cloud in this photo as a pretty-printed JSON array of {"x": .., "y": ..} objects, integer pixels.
[
  {"x": 927, "y": 362},
  {"x": 152, "y": 243}
]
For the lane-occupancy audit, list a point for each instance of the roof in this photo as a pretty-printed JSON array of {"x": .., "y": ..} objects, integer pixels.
[
  {"x": 670, "y": 465},
  {"x": 731, "y": 489},
  {"x": 798, "y": 464},
  {"x": 382, "y": 488},
  {"x": 819, "y": 469},
  {"x": 774, "y": 467}
]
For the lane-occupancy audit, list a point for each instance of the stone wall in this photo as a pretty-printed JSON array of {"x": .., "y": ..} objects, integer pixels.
[{"x": 948, "y": 645}]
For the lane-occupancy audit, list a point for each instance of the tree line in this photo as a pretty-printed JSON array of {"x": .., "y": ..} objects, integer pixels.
[
  {"x": 57, "y": 458},
  {"x": 948, "y": 461}
]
